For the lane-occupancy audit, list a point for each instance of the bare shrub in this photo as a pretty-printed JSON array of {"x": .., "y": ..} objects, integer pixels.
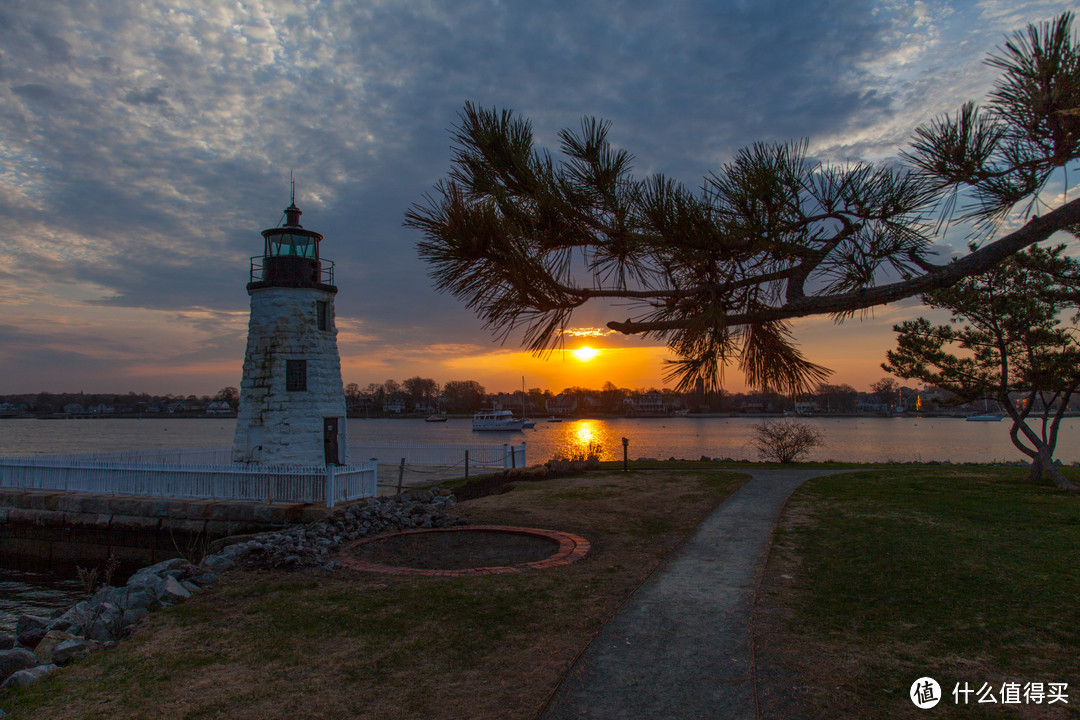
[
  {"x": 786, "y": 440},
  {"x": 589, "y": 452}
]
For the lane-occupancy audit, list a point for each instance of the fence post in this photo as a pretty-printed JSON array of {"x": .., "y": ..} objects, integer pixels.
[
  {"x": 330, "y": 493},
  {"x": 466, "y": 463},
  {"x": 506, "y": 456},
  {"x": 400, "y": 475},
  {"x": 625, "y": 461}
]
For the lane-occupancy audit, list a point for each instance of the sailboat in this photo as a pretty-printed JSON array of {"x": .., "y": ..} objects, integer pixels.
[
  {"x": 985, "y": 415},
  {"x": 525, "y": 422}
]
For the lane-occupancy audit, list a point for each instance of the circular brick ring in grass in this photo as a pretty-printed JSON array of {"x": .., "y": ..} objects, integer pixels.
[{"x": 464, "y": 551}]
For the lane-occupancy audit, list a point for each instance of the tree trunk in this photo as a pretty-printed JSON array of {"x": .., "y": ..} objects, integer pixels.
[{"x": 1043, "y": 468}]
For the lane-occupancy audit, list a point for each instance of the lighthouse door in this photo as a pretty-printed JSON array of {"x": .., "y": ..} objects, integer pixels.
[{"x": 330, "y": 440}]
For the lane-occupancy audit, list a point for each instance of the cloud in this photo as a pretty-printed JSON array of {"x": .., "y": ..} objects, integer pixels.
[{"x": 144, "y": 145}]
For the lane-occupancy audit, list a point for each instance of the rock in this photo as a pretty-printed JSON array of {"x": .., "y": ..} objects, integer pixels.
[
  {"x": 167, "y": 567},
  {"x": 7, "y": 642},
  {"x": 75, "y": 619},
  {"x": 43, "y": 653},
  {"x": 72, "y": 650},
  {"x": 108, "y": 625},
  {"x": 133, "y": 615},
  {"x": 190, "y": 586},
  {"x": 217, "y": 563},
  {"x": 173, "y": 592},
  {"x": 139, "y": 598},
  {"x": 114, "y": 595},
  {"x": 29, "y": 629},
  {"x": 235, "y": 551},
  {"x": 12, "y": 661},
  {"x": 151, "y": 586},
  {"x": 204, "y": 579},
  {"x": 25, "y": 678}
]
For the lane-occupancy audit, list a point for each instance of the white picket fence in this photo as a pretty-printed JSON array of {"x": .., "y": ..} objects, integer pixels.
[
  {"x": 208, "y": 473},
  {"x": 493, "y": 456},
  {"x": 290, "y": 484}
]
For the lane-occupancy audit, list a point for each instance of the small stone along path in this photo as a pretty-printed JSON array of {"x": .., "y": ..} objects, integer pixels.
[{"x": 450, "y": 552}]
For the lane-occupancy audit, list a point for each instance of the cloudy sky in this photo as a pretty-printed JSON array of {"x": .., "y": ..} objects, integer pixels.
[{"x": 144, "y": 145}]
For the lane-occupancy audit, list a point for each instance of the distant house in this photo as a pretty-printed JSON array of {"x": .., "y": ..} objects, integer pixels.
[
  {"x": 872, "y": 405},
  {"x": 394, "y": 406},
  {"x": 561, "y": 404},
  {"x": 219, "y": 407},
  {"x": 74, "y": 409},
  {"x": 650, "y": 404},
  {"x": 361, "y": 404}
]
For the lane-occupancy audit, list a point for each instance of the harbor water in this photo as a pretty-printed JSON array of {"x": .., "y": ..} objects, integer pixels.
[
  {"x": 847, "y": 439},
  {"x": 851, "y": 439}
]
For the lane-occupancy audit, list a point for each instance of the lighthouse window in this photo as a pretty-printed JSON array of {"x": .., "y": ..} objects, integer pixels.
[
  {"x": 291, "y": 244},
  {"x": 322, "y": 312},
  {"x": 296, "y": 375}
]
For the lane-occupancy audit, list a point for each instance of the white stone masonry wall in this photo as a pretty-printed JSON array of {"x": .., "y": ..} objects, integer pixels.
[{"x": 276, "y": 426}]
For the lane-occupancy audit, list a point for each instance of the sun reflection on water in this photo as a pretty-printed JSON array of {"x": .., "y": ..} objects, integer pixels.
[{"x": 581, "y": 438}]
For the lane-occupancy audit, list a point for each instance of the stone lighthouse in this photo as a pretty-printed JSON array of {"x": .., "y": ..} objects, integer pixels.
[{"x": 292, "y": 406}]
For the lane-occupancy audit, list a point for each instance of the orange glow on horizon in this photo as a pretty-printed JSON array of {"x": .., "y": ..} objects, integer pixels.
[
  {"x": 501, "y": 370},
  {"x": 853, "y": 351}
]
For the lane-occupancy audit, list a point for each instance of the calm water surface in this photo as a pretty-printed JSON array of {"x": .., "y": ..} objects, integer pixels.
[
  {"x": 34, "y": 594},
  {"x": 862, "y": 439},
  {"x": 870, "y": 439}
]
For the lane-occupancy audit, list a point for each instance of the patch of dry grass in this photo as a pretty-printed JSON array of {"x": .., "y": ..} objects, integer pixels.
[{"x": 265, "y": 645}]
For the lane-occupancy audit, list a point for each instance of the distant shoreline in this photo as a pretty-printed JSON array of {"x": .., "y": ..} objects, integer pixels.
[
  {"x": 591, "y": 416},
  {"x": 121, "y": 416}
]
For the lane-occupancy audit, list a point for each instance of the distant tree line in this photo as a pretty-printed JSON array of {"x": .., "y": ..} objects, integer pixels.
[
  {"x": 420, "y": 396},
  {"x": 424, "y": 396},
  {"x": 224, "y": 402}
]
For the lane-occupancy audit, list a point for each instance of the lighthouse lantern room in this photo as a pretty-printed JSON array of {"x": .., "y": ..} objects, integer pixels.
[{"x": 292, "y": 405}]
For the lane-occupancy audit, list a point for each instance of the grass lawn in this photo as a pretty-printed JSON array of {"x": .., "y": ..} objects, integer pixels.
[
  {"x": 964, "y": 574},
  {"x": 348, "y": 645}
]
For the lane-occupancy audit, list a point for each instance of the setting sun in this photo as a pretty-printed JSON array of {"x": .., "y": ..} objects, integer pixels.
[{"x": 585, "y": 354}]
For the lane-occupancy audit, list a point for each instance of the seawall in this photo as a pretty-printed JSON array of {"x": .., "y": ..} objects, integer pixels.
[{"x": 45, "y": 529}]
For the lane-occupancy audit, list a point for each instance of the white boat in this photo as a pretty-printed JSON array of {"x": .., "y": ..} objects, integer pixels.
[
  {"x": 496, "y": 420},
  {"x": 985, "y": 415}
]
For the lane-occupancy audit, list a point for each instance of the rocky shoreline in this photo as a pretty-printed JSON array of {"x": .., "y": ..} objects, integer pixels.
[{"x": 42, "y": 646}]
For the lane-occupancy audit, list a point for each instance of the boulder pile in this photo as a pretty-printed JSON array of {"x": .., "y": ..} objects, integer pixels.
[
  {"x": 308, "y": 546},
  {"x": 42, "y": 645}
]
